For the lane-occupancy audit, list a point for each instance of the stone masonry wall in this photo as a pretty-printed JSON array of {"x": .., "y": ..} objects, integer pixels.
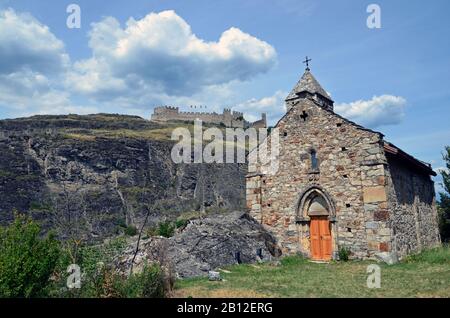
[
  {"x": 413, "y": 214},
  {"x": 351, "y": 171}
]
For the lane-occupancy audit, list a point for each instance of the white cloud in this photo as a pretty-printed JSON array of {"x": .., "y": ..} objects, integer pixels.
[
  {"x": 378, "y": 111},
  {"x": 161, "y": 53},
  {"x": 28, "y": 93},
  {"x": 32, "y": 63},
  {"x": 25, "y": 43},
  {"x": 153, "y": 61},
  {"x": 274, "y": 106}
]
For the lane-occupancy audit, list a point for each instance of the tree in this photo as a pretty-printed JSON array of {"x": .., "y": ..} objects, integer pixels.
[
  {"x": 444, "y": 204},
  {"x": 26, "y": 260}
]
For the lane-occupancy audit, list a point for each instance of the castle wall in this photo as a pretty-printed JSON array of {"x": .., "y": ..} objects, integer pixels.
[
  {"x": 412, "y": 207},
  {"x": 227, "y": 118}
]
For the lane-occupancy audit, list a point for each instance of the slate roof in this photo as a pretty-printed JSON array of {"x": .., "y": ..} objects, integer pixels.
[{"x": 308, "y": 84}]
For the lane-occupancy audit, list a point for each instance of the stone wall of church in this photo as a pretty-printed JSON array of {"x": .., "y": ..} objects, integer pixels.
[
  {"x": 413, "y": 214},
  {"x": 351, "y": 170}
]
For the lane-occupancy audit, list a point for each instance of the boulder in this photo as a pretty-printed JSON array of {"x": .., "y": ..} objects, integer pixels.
[{"x": 207, "y": 244}]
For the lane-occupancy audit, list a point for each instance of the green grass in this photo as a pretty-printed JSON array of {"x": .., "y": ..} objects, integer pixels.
[{"x": 423, "y": 275}]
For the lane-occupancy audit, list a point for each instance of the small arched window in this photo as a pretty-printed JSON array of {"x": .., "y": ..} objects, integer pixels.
[{"x": 314, "y": 162}]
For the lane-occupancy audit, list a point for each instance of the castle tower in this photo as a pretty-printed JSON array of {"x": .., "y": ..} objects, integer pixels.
[{"x": 309, "y": 87}]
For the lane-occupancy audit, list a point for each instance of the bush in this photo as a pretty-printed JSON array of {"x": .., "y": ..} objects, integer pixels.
[
  {"x": 344, "y": 253},
  {"x": 130, "y": 230},
  {"x": 148, "y": 284},
  {"x": 94, "y": 261},
  {"x": 180, "y": 223},
  {"x": 166, "y": 229},
  {"x": 107, "y": 283},
  {"x": 26, "y": 260}
]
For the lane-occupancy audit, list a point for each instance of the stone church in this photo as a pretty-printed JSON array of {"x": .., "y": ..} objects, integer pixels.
[{"x": 341, "y": 186}]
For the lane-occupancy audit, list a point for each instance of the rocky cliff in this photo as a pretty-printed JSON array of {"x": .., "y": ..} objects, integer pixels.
[{"x": 89, "y": 176}]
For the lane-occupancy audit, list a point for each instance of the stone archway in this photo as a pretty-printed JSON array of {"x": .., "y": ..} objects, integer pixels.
[
  {"x": 316, "y": 215},
  {"x": 315, "y": 200}
]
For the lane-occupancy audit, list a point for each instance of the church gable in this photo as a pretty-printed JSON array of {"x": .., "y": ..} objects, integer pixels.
[{"x": 335, "y": 143}]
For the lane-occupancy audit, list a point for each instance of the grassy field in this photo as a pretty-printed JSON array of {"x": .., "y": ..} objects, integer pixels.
[{"x": 423, "y": 275}]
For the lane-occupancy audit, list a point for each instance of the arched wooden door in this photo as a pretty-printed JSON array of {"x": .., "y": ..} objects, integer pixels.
[{"x": 320, "y": 234}]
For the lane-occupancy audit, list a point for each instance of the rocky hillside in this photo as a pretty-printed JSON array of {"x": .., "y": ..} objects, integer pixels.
[{"x": 92, "y": 176}]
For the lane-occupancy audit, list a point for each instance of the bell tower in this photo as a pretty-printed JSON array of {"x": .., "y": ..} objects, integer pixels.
[{"x": 309, "y": 87}]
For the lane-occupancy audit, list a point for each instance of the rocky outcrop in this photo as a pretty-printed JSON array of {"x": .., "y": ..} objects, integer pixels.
[
  {"x": 205, "y": 245},
  {"x": 91, "y": 176}
]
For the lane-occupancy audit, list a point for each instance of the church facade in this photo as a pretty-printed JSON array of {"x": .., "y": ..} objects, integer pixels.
[{"x": 341, "y": 186}]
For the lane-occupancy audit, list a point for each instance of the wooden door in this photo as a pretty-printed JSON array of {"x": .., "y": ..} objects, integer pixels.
[
  {"x": 320, "y": 234},
  {"x": 314, "y": 232}
]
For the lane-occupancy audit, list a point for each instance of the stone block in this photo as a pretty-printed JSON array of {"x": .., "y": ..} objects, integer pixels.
[
  {"x": 214, "y": 276},
  {"x": 372, "y": 245},
  {"x": 374, "y": 194},
  {"x": 372, "y": 225},
  {"x": 384, "y": 232},
  {"x": 384, "y": 247},
  {"x": 381, "y": 180},
  {"x": 381, "y": 215},
  {"x": 388, "y": 258}
]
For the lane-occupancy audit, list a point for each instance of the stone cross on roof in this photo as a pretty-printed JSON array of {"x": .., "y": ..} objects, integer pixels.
[{"x": 307, "y": 63}]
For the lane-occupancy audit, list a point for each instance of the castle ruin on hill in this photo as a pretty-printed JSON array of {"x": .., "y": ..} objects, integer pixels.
[{"x": 228, "y": 118}]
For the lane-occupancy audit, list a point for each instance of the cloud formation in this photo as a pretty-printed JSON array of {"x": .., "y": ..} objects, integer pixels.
[
  {"x": 32, "y": 63},
  {"x": 161, "y": 53},
  {"x": 26, "y": 44},
  {"x": 151, "y": 61},
  {"x": 379, "y": 111},
  {"x": 274, "y": 106}
]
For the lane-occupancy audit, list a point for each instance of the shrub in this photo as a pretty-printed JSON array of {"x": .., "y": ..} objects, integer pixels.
[
  {"x": 94, "y": 261},
  {"x": 147, "y": 284},
  {"x": 344, "y": 253},
  {"x": 107, "y": 283},
  {"x": 130, "y": 230},
  {"x": 26, "y": 260},
  {"x": 181, "y": 223},
  {"x": 166, "y": 229}
]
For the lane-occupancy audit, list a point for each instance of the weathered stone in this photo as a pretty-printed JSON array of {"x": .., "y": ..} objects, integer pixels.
[
  {"x": 374, "y": 194},
  {"x": 372, "y": 225},
  {"x": 214, "y": 276},
  {"x": 207, "y": 244},
  {"x": 381, "y": 215},
  {"x": 384, "y": 247},
  {"x": 389, "y": 258}
]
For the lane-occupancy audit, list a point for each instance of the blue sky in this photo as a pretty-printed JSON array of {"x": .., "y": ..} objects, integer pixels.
[{"x": 243, "y": 54}]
